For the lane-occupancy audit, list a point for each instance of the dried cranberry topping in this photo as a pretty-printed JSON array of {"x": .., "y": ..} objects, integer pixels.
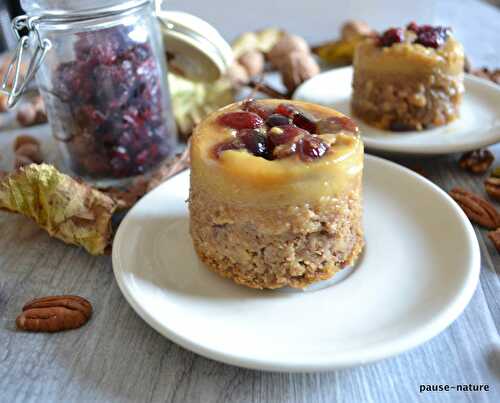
[
  {"x": 228, "y": 145},
  {"x": 312, "y": 147},
  {"x": 305, "y": 121},
  {"x": 432, "y": 37},
  {"x": 241, "y": 120},
  {"x": 285, "y": 132},
  {"x": 253, "y": 106},
  {"x": 277, "y": 120},
  {"x": 391, "y": 36},
  {"x": 255, "y": 142},
  {"x": 412, "y": 26},
  {"x": 427, "y": 35},
  {"x": 286, "y": 110}
]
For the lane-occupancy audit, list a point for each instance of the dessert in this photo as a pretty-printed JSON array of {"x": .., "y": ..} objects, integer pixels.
[
  {"x": 408, "y": 79},
  {"x": 275, "y": 197}
]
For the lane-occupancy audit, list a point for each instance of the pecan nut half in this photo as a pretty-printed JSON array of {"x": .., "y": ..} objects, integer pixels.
[
  {"x": 476, "y": 208},
  {"x": 54, "y": 314},
  {"x": 495, "y": 238},
  {"x": 492, "y": 187},
  {"x": 477, "y": 161}
]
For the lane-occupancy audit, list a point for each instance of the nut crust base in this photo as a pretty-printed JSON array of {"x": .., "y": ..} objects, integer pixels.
[{"x": 278, "y": 247}]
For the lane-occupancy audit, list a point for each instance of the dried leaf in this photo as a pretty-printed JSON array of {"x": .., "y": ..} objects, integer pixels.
[
  {"x": 337, "y": 53},
  {"x": 192, "y": 101},
  {"x": 262, "y": 41},
  {"x": 67, "y": 209}
]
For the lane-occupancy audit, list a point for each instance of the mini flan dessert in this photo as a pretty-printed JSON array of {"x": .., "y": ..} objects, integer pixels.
[
  {"x": 275, "y": 193},
  {"x": 408, "y": 79}
]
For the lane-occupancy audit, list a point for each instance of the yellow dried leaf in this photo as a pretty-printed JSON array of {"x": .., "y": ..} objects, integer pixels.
[
  {"x": 67, "y": 209},
  {"x": 338, "y": 53},
  {"x": 262, "y": 41},
  {"x": 192, "y": 101}
]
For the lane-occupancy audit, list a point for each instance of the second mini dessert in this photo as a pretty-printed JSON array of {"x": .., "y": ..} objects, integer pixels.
[
  {"x": 275, "y": 197},
  {"x": 408, "y": 79}
]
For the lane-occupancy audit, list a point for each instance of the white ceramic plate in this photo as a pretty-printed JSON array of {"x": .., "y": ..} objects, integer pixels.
[
  {"x": 478, "y": 125},
  {"x": 419, "y": 271}
]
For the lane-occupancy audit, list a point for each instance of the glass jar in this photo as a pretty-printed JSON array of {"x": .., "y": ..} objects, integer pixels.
[{"x": 103, "y": 78}]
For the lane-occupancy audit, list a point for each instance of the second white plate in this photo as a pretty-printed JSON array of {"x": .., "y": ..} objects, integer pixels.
[
  {"x": 478, "y": 125},
  {"x": 418, "y": 272}
]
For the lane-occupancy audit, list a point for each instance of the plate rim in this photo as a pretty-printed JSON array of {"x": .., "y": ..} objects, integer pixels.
[
  {"x": 423, "y": 149},
  {"x": 416, "y": 338}
]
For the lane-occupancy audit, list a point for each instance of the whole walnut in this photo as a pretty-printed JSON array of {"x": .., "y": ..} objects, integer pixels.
[
  {"x": 253, "y": 62},
  {"x": 238, "y": 75},
  {"x": 27, "y": 150},
  {"x": 353, "y": 29},
  {"x": 286, "y": 45},
  {"x": 297, "y": 67}
]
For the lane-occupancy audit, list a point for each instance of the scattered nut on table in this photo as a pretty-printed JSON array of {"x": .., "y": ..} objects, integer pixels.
[
  {"x": 287, "y": 44},
  {"x": 253, "y": 62},
  {"x": 27, "y": 150},
  {"x": 54, "y": 314},
  {"x": 238, "y": 75},
  {"x": 495, "y": 238},
  {"x": 476, "y": 208},
  {"x": 297, "y": 67},
  {"x": 32, "y": 112},
  {"x": 492, "y": 187},
  {"x": 477, "y": 161}
]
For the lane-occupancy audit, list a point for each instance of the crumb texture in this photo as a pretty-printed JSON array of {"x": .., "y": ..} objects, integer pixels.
[
  {"x": 418, "y": 102},
  {"x": 276, "y": 247}
]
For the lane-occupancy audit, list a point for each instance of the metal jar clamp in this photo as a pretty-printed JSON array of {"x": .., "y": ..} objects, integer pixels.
[{"x": 42, "y": 46}]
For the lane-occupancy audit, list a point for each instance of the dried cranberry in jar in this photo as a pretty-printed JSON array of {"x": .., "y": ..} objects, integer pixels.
[{"x": 111, "y": 98}]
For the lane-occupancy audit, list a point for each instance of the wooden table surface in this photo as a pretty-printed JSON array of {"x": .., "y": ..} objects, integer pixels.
[{"x": 116, "y": 357}]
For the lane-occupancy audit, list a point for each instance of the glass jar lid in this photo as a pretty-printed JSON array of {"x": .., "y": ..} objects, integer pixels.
[{"x": 196, "y": 48}]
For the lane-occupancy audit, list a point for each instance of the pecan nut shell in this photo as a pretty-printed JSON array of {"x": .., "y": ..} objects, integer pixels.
[
  {"x": 476, "y": 208},
  {"x": 54, "y": 314}
]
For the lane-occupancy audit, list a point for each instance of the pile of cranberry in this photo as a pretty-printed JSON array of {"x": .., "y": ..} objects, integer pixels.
[
  {"x": 112, "y": 96},
  {"x": 275, "y": 133},
  {"x": 426, "y": 35}
]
